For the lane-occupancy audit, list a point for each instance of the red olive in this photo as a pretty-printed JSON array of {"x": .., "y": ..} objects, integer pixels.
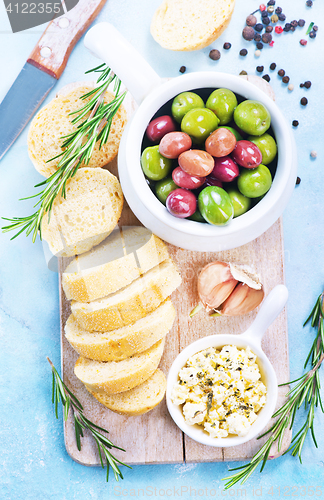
[
  {"x": 247, "y": 154},
  {"x": 186, "y": 181},
  {"x": 225, "y": 169},
  {"x": 173, "y": 144},
  {"x": 196, "y": 162},
  {"x": 220, "y": 143},
  {"x": 212, "y": 181},
  {"x": 181, "y": 203},
  {"x": 160, "y": 126}
]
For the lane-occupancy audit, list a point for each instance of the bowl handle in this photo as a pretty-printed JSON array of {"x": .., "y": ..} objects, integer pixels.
[
  {"x": 270, "y": 309},
  {"x": 106, "y": 43}
]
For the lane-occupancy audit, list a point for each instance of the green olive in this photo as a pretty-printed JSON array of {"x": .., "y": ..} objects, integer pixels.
[
  {"x": 240, "y": 202},
  {"x": 252, "y": 117},
  {"x": 223, "y": 103},
  {"x": 215, "y": 205},
  {"x": 163, "y": 188},
  {"x": 154, "y": 165},
  {"x": 183, "y": 103},
  {"x": 199, "y": 123},
  {"x": 254, "y": 182},
  {"x": 267, "y": 146}
]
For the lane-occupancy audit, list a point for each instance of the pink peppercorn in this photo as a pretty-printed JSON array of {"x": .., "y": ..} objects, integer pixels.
[
  {"x": 262, "y": 7},
  {"x": 303, "y": 42},
  {"x": 278, "y": 30},
  {"x": 271, "y": 44}
]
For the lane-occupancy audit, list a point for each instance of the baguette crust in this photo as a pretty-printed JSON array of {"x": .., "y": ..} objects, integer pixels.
[
  {"x": 112, "y": 377},
  {"x": 129, "y": 305},
  {"x": 124, "y": 342},
  {"x": 138, "y": 400},
  {"x": 190, "y": 24},
  {"x": 117, "y": 262}
]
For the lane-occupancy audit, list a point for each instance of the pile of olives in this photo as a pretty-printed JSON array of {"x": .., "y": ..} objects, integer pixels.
[{"x": 208, "y": 162}]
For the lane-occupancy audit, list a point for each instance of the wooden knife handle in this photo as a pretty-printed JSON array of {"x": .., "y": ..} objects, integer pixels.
[{"x": 54, "y": 47}]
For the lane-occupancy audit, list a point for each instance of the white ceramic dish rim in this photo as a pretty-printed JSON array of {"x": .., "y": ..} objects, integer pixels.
[
  {"x": 162, "y": 94},
  {"x": 269, "y": 378}
]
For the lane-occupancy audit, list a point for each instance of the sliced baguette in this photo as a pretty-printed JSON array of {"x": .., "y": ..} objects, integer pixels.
[
  {"x": 115, "y": 263},
  {"x": 132, "y": 303},
  {"x": 53, "y": 122},
  {"x": 86, "y": 216},
  {"x": 124, "y": 342},
  {"x": 138, "y": 400},
  {"x": 190, "y": 24},
  {"x": 112, "y": 377}
]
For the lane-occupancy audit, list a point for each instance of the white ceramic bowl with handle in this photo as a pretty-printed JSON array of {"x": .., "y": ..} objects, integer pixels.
[
  {"x": 104, "y": 41},
  {"x": 270, "y": 309}
]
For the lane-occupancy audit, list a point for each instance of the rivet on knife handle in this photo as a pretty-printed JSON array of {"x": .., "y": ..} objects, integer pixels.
[{"x": 54, "y": 47}]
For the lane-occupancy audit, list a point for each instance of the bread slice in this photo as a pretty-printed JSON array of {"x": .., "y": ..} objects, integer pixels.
[
  {"x": 190, "y": 24},
  {"x": 115, "y": 263},
  {"x": 138, "y": 400},
  {"x": 113, "y": 377},
  {"x": 124, "y": 342},
  {"x": 130, "y": 304},
  {"x": 53, "y": 122},
  {"x": 88, "y": 214}
]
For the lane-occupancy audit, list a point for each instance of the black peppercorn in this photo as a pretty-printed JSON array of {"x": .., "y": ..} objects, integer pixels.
[
  {"x": 287, "y": 27},
  {"x": 301, "y": 22},
  {"x": 301, "y": 85},
  {"x": 227, "y": 45},
  {"x": 248, "y": 33},
  {"x": 258, "y": 27},
  {"x": 295, "y": 123},
  {"x": 309, "y": 3},
  {"x": 260, "y": 69},
  {"x": 257, "y": 37},
  {"x": 312, "y": 34},
  {"x": 281, "y": 72},
  {"x": 214, "y": 54},
  {"x": 182, "y": 69},
  {"x": 298, "y": 180},
  {"x": 315, "y": 28},
  {"x": 294, "y": 23},
  {"x": 266, "y": 20},
  {"x": 259, "y": 45},
  {"x": 285, "y": 79},
  {"x": 292, "y": 28},
  {"x": 266, "y": 78},
  {"x": 271, "y": 2},
  {"x": 273, "y": 66},
  {"x": 266, "y": 37},
  {"x": 282, "y": 17},
  {"x": 269, "y": 29},
  {"x": 308, "y": 84},
  {"x": 303, "y": 101},
  {"x": 251, "y": 20},
  {"x": 243, "y": 52},
  {"x": 264, "y": 14},
  {"x": 278, "y": 10}
]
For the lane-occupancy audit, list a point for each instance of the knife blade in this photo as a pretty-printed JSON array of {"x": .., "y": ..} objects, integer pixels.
[{"x": 42, "y": 69}]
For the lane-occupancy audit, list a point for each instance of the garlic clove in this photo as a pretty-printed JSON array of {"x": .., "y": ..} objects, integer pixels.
[
  {"x": 245, "y": 275},
  {"x": 242, "y": 300},
  {"x": 215, "y": 284}
]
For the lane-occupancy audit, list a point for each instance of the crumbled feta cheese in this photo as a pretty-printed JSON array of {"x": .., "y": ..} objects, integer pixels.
[{"x": 221, "y": 390}]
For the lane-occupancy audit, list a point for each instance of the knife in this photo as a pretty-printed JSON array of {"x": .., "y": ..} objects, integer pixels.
[{"x": 43, "y": 68}]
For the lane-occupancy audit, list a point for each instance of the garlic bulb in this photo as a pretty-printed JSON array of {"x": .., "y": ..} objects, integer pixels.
[{"x": 229, "y": 289}]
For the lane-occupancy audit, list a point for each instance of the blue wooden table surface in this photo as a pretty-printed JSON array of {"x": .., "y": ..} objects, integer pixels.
[{"x": 33, "y": 460}]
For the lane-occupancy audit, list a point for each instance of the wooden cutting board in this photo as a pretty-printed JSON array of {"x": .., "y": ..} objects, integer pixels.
[{"x": 153, "y": 437}]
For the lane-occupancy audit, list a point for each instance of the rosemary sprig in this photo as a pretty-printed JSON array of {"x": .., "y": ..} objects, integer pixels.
[
  {"x": 77, "y": 148},
  {"x": 60, "y": 393},
  {"x": 306, "y": 391}
]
